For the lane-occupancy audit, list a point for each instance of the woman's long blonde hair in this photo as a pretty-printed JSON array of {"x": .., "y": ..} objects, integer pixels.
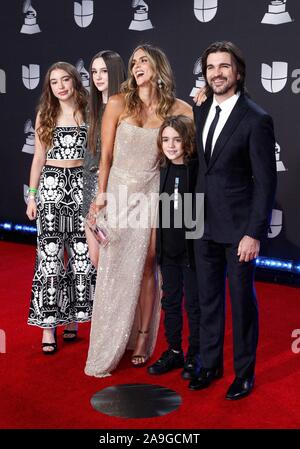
[
  {"x": 49, "y": 107},
  {"x": 163, "y": 81}
]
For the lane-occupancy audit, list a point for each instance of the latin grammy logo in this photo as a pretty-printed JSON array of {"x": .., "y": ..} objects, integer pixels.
[
  {"x": 200, "y": 81},
  {"x": 28, "y": 146},
  {"x": 276, "y": 224},
  {"x": 205, "y": 10},
  {"x": 84, "y": 13},
  {"x": 84, "y": 74},
  {"x": 30, "y": 25},
  {"x": 31, "y": 75},
  {"x": 279, "y": 164},
  {"x": 2, "y": 341},
  {"x": 274, "y": 77},
  {"x": 140, "y": 22},
  {"x": 2, "y": 82},
  {"x": 277, "y": 13},
  {"x": 25, "y": 193}
]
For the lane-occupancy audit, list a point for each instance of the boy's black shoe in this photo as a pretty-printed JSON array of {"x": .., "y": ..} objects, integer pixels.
[
  {"x": 168, "y": 361},
  {"x": 191, "y": 367}
]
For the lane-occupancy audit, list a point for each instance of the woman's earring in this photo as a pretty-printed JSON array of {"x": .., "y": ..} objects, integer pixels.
[{"x": 160, "y": 83}]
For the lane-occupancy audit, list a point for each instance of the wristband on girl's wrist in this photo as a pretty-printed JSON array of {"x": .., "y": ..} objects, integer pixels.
[{"x": 32, "y": 190}]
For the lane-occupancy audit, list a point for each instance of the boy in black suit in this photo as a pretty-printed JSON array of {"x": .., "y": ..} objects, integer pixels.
[{"x": 178, "y": 172}]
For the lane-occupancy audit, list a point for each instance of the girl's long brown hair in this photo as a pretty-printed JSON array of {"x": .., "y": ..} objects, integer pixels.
[
  {"x": 49, "y": 107},
  {"x": 162, "y": 71},
  {"x": 116, "y": 76},
  {"x": 186, "y": 129}
]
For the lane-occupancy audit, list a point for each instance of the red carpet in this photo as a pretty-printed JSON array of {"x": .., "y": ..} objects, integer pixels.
[{"x": 53, "y": 392}]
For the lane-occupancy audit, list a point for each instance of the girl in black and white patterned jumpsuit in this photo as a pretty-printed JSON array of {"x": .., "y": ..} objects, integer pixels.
[{"x": 64, "y": 278}]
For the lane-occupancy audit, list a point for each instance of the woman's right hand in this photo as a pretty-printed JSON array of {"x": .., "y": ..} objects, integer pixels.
[
  {"x": 31, "y": 209},
  {"x": 100, "y": 202},
  {"x": 200, "y": 96}
]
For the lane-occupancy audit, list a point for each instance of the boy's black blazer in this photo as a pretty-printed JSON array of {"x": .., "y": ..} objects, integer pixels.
[{"x": 192, "y": 172}]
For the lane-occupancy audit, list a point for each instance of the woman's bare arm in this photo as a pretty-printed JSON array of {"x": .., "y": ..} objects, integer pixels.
[
  {"x": 110, "y": 120},
  {"x": 180, "y": 107}
]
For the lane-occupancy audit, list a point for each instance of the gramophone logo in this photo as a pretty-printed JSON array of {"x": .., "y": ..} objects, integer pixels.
[
  {"x": 141, "y": 21},
  {"x": 84, "y": 74},
  {"x": 30, "y": 25},
  {"x": 25, "y": 193},
  {"x": 274, "y": 77},
  {"x": 276, "y": 224},
  {"x": 200, "y": 81},
  {"x": 2, "y": 82},
  {"x": 279, "y": 164},
  {"x": 31, "y": 75},
  {"x": 205, "y": 10},
  {"x": 277, "y": 13},
  {"x": 84, "y": 13},
  {"x": 28, "y": 146}
]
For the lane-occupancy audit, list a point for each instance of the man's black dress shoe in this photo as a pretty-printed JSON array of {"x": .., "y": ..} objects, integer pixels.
[
  {"x": 205, "y": 378},
  {"x": 191, "y": 367},
  {"x": 240, "y": 388},
  {"x": 168, "y": 361}
]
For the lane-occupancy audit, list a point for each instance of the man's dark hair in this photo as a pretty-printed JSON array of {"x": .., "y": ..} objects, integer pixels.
[{"x": 235, "y": 52}]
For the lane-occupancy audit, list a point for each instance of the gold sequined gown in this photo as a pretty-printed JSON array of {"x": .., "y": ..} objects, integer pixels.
[{"x": 115, "y": 319}]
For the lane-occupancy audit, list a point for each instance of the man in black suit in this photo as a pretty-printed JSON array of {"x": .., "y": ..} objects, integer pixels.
[{"x": 237, "y": 173}]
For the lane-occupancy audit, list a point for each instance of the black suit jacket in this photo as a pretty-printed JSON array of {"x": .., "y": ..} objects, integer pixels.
[
  {"x": 240, "y": 180},
  {"x": 191, "y": 172}
]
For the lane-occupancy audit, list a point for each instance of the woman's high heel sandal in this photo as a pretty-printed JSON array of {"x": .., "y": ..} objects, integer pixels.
[
  {"x": 139, "y": 360},
  {"x": 70, "y": 334},
  {"x": 52, "y": 345}
]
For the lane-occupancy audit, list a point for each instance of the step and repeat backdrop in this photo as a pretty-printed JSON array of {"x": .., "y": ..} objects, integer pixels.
[{"x": 36, "y": 33}]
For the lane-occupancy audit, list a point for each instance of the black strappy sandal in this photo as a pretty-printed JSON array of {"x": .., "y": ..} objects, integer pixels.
[
  {"x": 70, "y": 335},
  {"x": 50, "y": 345}
]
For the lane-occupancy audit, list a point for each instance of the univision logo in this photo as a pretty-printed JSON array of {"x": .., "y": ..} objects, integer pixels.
[
  {"x": 2, "y": 82},
  {"x": 205, "y": 10},
  {"x": 274, "y": 77},
  {"x": 31, "y": 75},
  {"x": 84, "y": 13},
  {"x": 276, "y": 224}
]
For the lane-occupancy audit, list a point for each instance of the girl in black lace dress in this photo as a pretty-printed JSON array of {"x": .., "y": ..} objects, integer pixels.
[{"x": 64, "y": 278}]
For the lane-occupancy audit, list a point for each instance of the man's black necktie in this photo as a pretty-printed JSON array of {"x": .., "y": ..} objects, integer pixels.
[{"x": 210, "y": 135}]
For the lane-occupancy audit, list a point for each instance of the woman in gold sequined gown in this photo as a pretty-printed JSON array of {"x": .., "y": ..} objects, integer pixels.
[{"x": 126, "y": 307}]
